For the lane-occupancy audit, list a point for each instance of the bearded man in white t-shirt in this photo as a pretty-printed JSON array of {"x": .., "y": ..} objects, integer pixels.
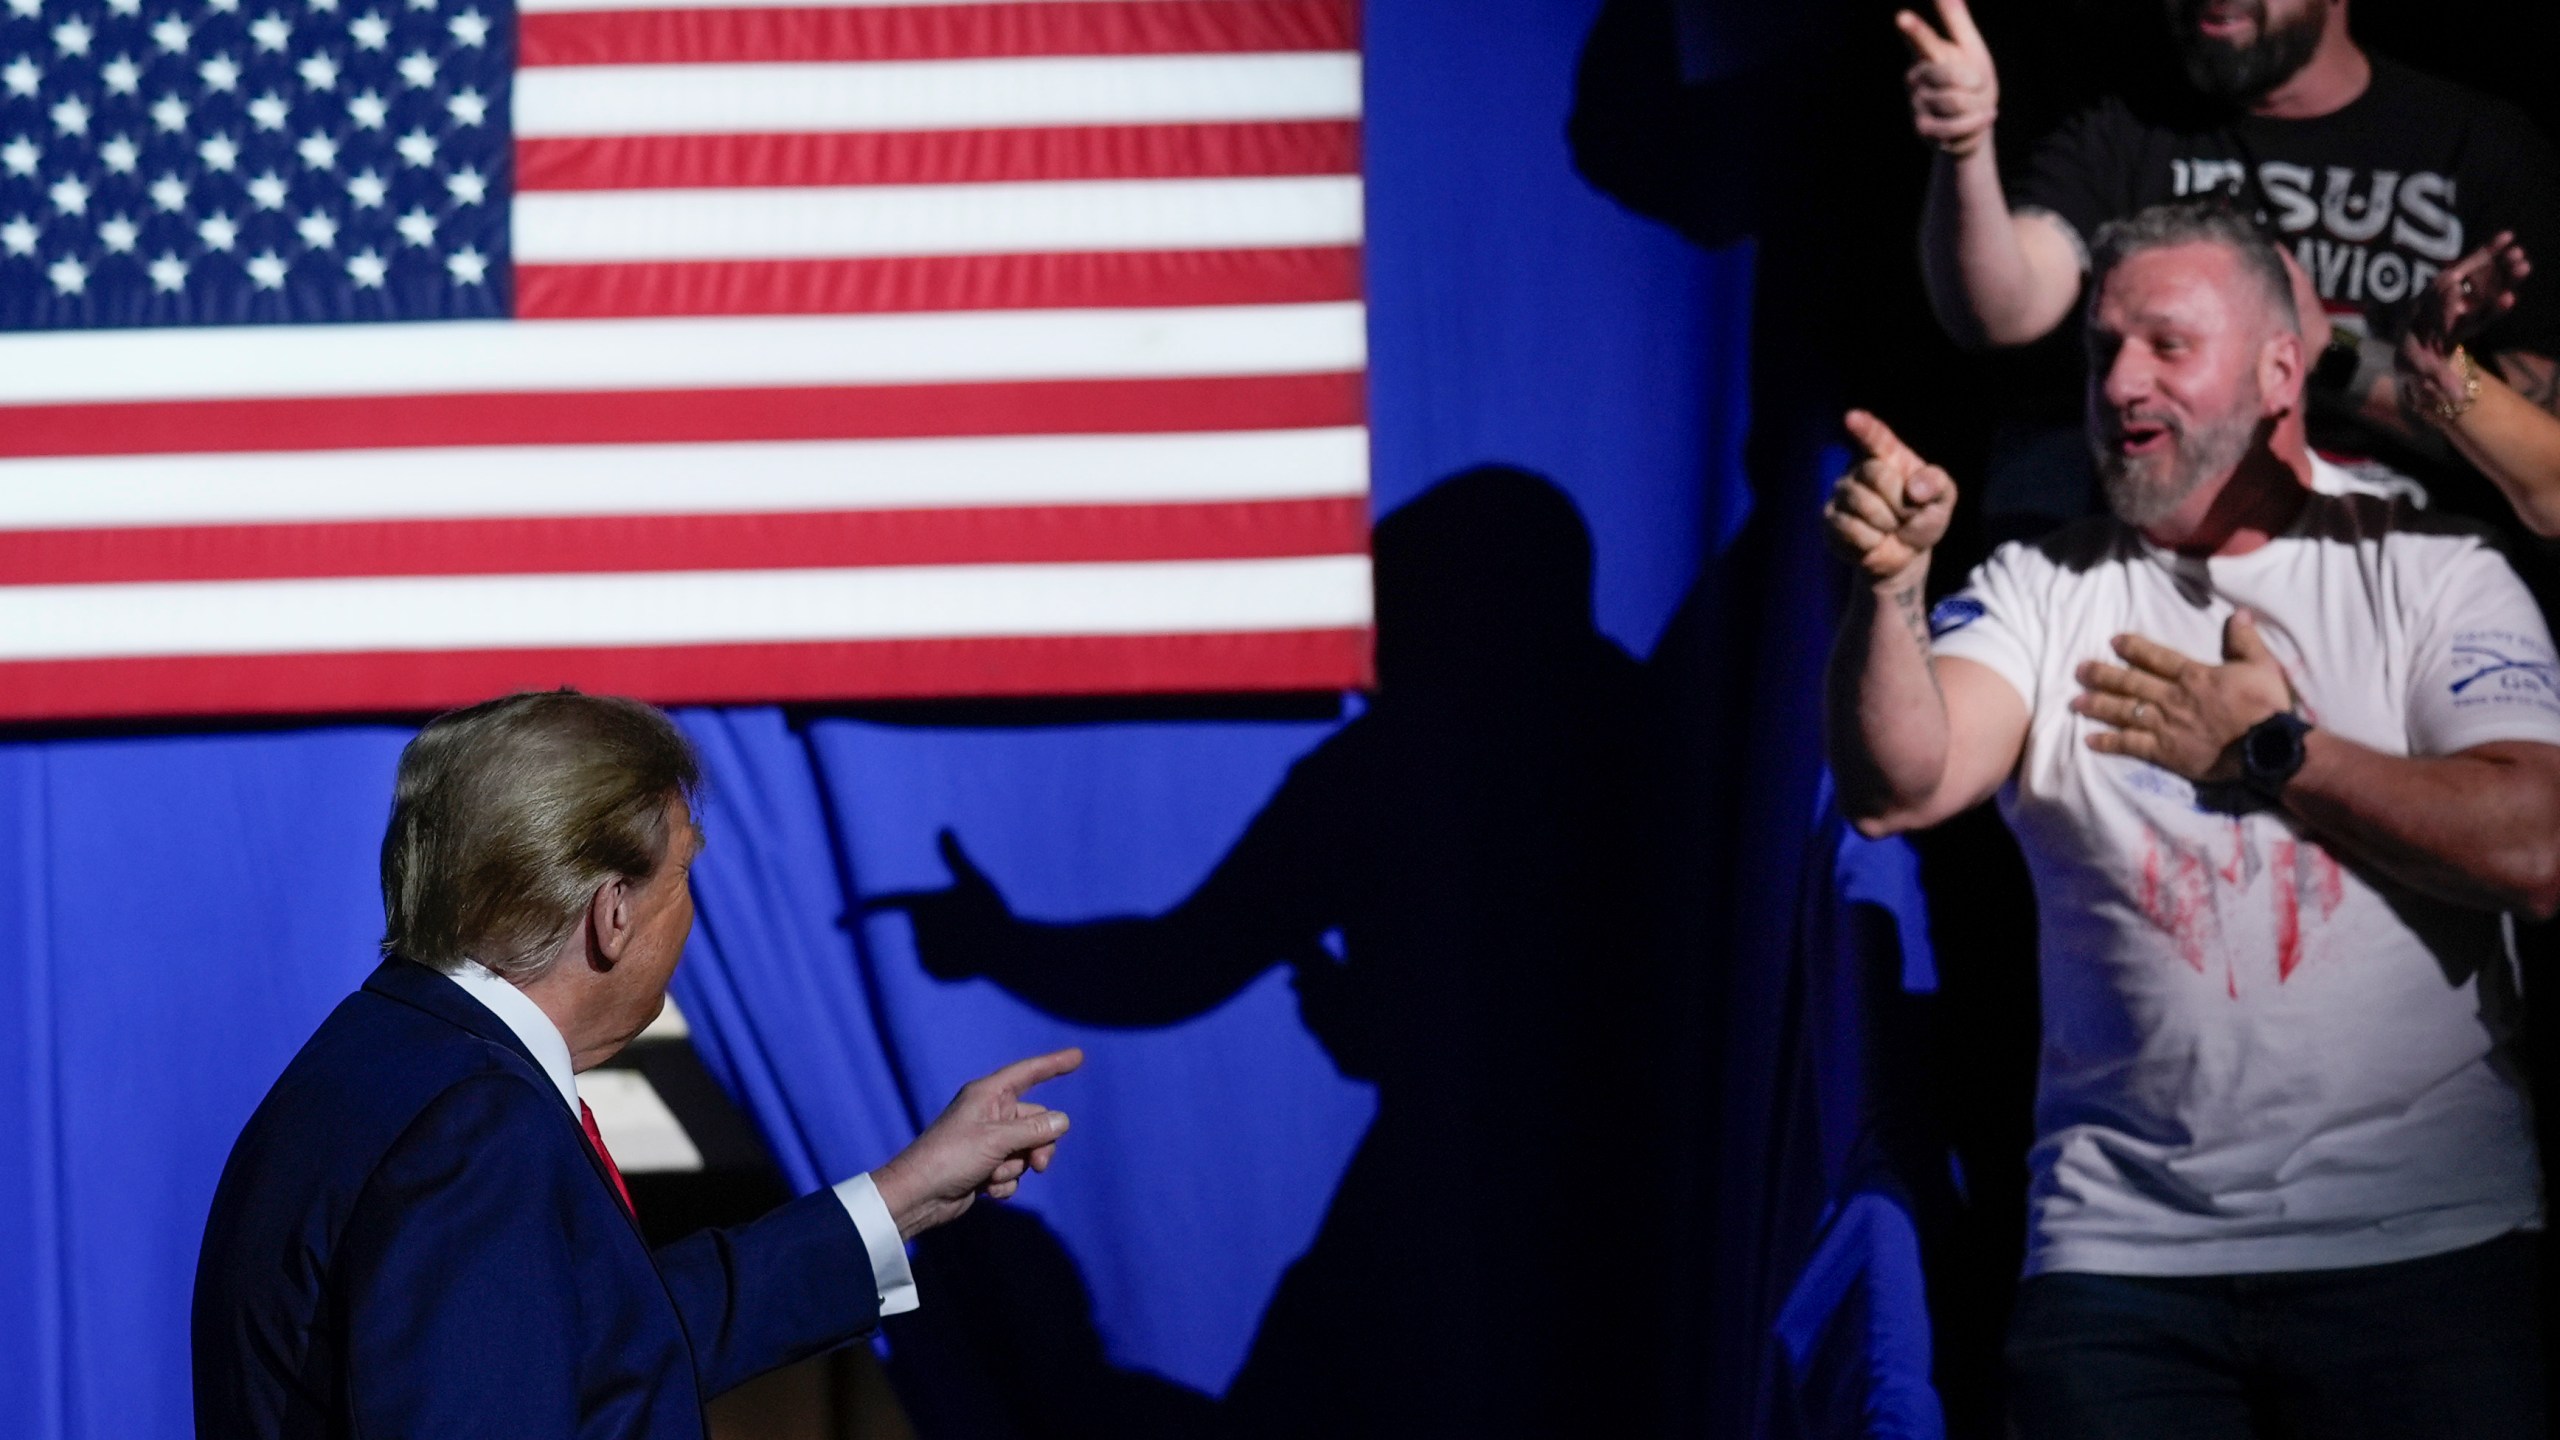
[{"x": 2282, "y": 758}]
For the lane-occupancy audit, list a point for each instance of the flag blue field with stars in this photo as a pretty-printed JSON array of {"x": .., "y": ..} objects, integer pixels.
[
  {"x": 236, "y": 162},
  {"x": 386, "y": 355}
]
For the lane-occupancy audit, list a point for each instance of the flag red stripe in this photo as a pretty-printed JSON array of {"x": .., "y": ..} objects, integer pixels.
[
  {"x": 398, "y": 681},
  {"x": 994, "y": 535},
  {"x": 1052, "y": 280},
  {"x": 934, "y": 32},
  {"x": 867, "y": 412},
  {"x": 940, "y": 157}
]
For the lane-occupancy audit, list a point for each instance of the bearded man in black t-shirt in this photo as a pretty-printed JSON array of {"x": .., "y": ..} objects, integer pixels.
[{"x": 2371, "y": 176}]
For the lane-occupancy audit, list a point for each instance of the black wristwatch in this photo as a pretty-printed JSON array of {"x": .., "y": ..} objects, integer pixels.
[{"x": 2271, "y": 753}]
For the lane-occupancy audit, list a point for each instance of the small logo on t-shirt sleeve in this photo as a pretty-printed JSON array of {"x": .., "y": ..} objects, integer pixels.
[
  {"x": 2492, "y": 667},
  {"x": 1953, "y": 614}
]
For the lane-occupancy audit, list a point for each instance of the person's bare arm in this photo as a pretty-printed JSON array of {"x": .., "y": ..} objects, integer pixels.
[
  {"x": 1994, "y": 278},
  {"x": 2497, "y": 416},
  {"x": 1913, "y": 740},
  {"x": 2478, "y": 828}
]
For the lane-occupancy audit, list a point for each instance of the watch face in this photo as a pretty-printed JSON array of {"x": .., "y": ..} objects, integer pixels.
[{"x": 2273, "y": 750}]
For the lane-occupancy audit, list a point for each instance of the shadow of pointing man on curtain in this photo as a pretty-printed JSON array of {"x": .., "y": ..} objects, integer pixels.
[{"x": 1460, "y": 881}]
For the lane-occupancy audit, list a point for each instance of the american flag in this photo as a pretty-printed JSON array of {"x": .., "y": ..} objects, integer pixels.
[{"x": 386, "y": 354}]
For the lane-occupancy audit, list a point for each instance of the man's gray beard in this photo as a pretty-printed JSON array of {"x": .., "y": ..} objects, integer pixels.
[
  {"x": 2245, "y": 72},
  {"x": 2195, "y": 458}
]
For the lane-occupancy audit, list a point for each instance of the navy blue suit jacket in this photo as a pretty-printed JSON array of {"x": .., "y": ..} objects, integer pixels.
[{"x": 413, "y": 1238}]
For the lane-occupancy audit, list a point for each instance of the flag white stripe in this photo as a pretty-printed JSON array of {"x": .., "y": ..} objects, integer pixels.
[
  {"x": 765, "y": 477},
  {"x": 560, "y": 101},
  {"x": 50, "y": 622},
  {"x": 596, "y": 226},
  {"x": 552, "y": 356}
]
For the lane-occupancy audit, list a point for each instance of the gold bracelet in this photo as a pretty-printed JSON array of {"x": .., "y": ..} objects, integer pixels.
[{"x": 2446, "y": 409}]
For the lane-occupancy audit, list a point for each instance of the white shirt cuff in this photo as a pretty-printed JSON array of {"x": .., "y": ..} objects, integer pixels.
[{"x": 880, "y": 1236}]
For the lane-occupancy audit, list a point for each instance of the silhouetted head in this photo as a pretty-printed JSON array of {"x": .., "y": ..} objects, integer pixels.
[{"x": 1485, "y": 576}]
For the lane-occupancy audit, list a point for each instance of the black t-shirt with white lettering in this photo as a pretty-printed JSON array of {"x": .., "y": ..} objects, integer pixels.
[{"x": 2373, "y": 198}]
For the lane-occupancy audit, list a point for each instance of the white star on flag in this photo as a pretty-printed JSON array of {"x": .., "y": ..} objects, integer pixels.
[
  {"x": 70, "y": 196},
  {"x": 367, "y": 190},
  {"x": 120, "y": 155},
  {"x": 318, "y": 151},
  {"x": 469, "y": 266},
  {"x": 119, "y": 234},
  {"x": 20, "y": 156},
  {"x": 368, "y": 269},
  {"x": 220, "y": 73},
  {"x": 69, "y": 276},
  {"x": 267, "y": 268},
  {"x": 173, "y": 35},
  {"x": 319, "y": 230},
  {"x": 418, "y": 227},
  {"x": 18, "y": 237},
  {"x": 219, "y": 231},
  {"x": 168, "y": 273},
  {"x": 22, "y": 77},
  {"x": 268, "y": 191},
  {"x": 72, "y": 36},
  {"x": 71, "y": 117}
]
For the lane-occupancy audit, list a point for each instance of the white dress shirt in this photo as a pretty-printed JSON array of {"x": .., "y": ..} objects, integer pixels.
[{"x": 861, "y": 1198}]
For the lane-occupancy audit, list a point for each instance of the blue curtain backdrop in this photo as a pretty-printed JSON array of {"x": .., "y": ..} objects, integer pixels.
[{"x": 1288, "y": 940}]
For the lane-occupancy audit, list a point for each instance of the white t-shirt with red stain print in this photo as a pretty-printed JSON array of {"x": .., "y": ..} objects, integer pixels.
[{"x": 2258, "y": 1055}]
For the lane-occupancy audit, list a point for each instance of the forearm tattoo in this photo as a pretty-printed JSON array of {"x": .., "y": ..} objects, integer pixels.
[{"x": 1912, "y": 605}]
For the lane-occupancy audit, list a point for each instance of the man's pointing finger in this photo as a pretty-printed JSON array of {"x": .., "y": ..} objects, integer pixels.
[
  {"x": 1957, "y": 16},
  {"x": 1874, "y": 436},
  {"x": 1021, "y": 1075},
  {"x": 1925, "y": 42}
]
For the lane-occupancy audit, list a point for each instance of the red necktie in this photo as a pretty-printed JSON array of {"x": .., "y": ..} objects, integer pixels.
[{"x": 595, "y": 1137}]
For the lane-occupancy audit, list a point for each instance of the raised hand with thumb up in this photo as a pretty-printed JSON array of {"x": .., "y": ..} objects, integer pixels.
[{"x": 1955, "y": 89}]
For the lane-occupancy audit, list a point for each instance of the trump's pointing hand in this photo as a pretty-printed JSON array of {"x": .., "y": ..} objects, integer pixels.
[{"x": 982, "y": 1144}]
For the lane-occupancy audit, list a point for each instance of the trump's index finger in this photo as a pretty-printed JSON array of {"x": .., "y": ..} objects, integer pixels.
[{"x": 1021, "y": 1075}]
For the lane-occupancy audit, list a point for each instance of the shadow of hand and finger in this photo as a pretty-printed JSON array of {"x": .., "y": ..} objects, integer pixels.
[{"x": 1462, "y": 881}]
